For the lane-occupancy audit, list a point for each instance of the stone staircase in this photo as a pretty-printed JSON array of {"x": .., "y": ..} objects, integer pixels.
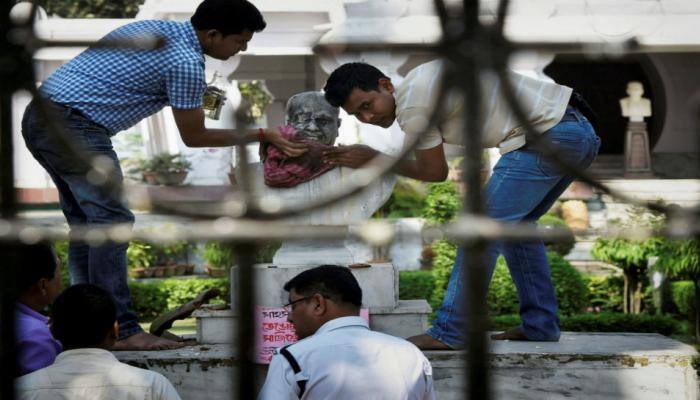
[{"x": 607, "y": 166}]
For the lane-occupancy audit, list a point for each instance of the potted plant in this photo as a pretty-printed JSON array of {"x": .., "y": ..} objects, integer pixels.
[
  {"x": 139, "y": 256},
  {"x": 165, "y": 169},
  {"x": 173, "y": 257},
  {"x": 219, "y": 258}
]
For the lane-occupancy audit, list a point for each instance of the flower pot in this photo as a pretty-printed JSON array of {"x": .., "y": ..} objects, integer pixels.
[
  {"x": 216, "y": 272},
  {"x": 137, "y": 273},
  {"x": 180, "y": 269},
  {"x": 189, "y": 269},
  {"x": 171, "y": 178},
  {"x": 149, "y": 177},
  {"x": 169, "y": 270}
]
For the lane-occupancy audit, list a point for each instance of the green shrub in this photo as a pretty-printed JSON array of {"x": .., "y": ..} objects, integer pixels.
[
  {"x": 502, "y": 296},
  {"x": 561, "y": 247},
  {"x": 631, "y": 256},
  {"x": 148, "y": 299},
  {"x": 572, "y": 293},
  {"x": 151, "y": 298},
  {"x": 445, "y": 253},
  {"x": 605, "y": 292},
  {"x": 139, "y": 254},
  {"x": 172, "y": 253},
  {"x": 61, "y": 249},
  {"x": 218, "y": 254},
  {"x": 166, "y": 163},
  {"x": 407, "y": 200},
  {"x": 416, "y": 285},
  {"x": 442, "y": 202},
  {"x": 618, "y": 322},
  {"x": 181, "y": 291},
  {"x": 266, "y": 251},
  {"x": 683, "y": 294},
  {"x": 603, "y": 322},
  {"x": 441, "y": 205}
]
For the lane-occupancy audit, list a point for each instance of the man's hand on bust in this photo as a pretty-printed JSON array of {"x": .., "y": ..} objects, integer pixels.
[
  {"x": 292, "y": 149},
  {"x": 353, "y": 156}
]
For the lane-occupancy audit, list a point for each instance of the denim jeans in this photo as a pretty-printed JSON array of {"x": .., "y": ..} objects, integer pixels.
[
  {"x": 524, "y": 185},
  {"x": 84, "y": 203}
]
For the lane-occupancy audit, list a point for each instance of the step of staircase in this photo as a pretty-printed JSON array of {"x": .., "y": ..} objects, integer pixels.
[{"x": 410, "y": 317}]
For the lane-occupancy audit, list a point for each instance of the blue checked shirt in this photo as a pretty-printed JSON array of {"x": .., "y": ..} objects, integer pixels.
[{"x": 117, "y": 88}]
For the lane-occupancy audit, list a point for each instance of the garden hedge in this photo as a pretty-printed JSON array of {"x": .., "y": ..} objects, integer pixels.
[
  {"x": 151, "y": 298},
  {"x": 683, "y": 294},
  {"x": 603, "y": 322},
  {"x": 416, "y": 285},
  {"x": 570, "y": 286}
]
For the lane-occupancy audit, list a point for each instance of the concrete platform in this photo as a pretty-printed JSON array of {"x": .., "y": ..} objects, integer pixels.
[
  {"x": 582, "y": 365},
  {"x": 409, "y": 318}
]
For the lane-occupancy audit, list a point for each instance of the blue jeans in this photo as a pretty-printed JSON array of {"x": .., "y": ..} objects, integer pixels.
[
  {"x": 524, "y": 185},
  {"x": 85, "y": 203}
]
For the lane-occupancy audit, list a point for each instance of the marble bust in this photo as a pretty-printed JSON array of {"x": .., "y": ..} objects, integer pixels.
[
  {"x": 313, "y": 117},
  {"x": 635, "y": 107}
]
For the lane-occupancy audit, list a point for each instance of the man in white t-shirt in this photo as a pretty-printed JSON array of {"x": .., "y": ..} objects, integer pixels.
[
  {"x": 338, "y": 357},
  {"x": 84, "y": 320},
  {"x": 523, "y": 186}
]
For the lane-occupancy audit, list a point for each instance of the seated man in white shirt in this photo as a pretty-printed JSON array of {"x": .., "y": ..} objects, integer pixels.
[
  {"x": 84, "y": 320},
  {"x": 338, "y": 357}
]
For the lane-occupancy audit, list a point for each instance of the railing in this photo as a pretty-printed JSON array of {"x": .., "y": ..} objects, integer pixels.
[{"x": 467, "y": 45}]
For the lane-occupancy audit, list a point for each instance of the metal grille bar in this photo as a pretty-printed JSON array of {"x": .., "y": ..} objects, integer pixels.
[{"x": 467, "y": 44}]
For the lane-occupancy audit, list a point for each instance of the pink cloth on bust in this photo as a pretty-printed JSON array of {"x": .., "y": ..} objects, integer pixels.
[{"x": 280, "y": 170}]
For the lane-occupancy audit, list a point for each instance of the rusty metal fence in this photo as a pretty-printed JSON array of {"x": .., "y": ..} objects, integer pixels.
[{"x": 244, "y": 221}]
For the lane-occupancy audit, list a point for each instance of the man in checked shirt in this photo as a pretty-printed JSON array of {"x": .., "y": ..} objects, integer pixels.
[{"x": 106, "y": 90}]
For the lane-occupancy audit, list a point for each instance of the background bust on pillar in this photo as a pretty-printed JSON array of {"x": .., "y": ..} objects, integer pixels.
[
  {"x": 637, "y": 154},
  {"x": 635, "y": 107}
]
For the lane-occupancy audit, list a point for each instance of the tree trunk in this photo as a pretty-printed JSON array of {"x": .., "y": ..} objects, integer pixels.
[
  {"x": 697, "y": 310},
  {"x": 625, "y": 293},
  {"x": 638, "y": 296}
]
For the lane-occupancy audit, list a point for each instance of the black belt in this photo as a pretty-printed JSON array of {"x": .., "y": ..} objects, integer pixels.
[
  {"x": 570, "y": 115},
  {"x": 579, "y": 103}
]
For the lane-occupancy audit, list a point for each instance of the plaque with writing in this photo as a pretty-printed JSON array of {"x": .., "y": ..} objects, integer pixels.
[{"x": 274, "y": 331}]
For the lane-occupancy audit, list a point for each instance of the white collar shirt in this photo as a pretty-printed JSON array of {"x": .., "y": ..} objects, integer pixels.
[
  {"x": 344, "y": 359},
  {"x": 93, "y": 374}
]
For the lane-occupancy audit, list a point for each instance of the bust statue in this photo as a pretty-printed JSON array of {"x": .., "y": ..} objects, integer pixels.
[
  {"x": 312, "y": 120},
  {"x": 313, "y": 117},
  {"x": 317, "y": 121},
  {"x": 635, "y": 107}
]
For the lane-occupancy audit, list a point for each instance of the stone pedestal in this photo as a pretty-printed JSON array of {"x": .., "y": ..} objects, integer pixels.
[
  {"x": 637, "y": 154},
  {"x": 380, "y": 295},
  {"x": 379, "y": 283}
]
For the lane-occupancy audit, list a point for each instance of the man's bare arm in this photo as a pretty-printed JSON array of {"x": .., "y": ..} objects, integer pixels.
[
  {"x": 190, "y": 123},
  {"x": 430, "y": 164}
]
